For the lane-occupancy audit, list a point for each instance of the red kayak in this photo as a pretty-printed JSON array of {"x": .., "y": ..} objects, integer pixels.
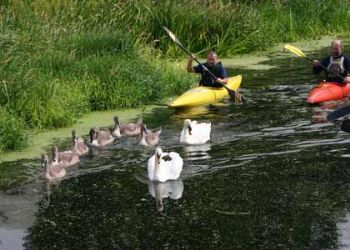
[{"x": 328, "y": 91}]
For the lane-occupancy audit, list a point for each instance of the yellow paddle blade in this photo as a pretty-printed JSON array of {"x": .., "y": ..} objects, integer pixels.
[{"x": 294, "y": 50}]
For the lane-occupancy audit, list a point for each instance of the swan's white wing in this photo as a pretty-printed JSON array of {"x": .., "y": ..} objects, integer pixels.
[
  {"x": 176, "y": 165},
  {"x": 200, "y": 133}
]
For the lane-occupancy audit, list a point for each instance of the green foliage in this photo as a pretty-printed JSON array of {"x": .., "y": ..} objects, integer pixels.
[
  {"x": 236, "y": 27},
  {"x": 51, "y": 83},
  {"x": 13, "y": 134},
  {"x": 60, "y": 59}
]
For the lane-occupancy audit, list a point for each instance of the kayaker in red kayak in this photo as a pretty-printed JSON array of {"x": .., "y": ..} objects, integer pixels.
[
  {"x": 214, "y": 66},
  {"x": 336, "y": 63}
]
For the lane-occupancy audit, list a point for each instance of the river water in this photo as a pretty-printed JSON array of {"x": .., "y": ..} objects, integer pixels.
[{"x": 275, "y": 175}]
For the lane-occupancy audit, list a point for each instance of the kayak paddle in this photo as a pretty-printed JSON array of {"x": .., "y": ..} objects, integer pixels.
[
  {"x": 345, "y": 126},
  {"x": 299, "y": 53},
  {"x": 233, "y": 94},
  {"x": 338, "y": 113}
]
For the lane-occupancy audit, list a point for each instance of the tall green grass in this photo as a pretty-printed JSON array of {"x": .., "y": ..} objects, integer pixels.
[
  {"x": 235, "y": 27},
  {"x": 13, "y": 132},
  {"x": 60, "y": 59}
]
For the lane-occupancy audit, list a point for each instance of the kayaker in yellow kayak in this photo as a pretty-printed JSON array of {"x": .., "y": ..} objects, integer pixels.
[
  {"x": 214, "y": 66},
  {"x": 337, "y": 64}
]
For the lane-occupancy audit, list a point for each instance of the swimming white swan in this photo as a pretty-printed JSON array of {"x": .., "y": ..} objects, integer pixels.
[
  {"x": 127, "y": 129},
  {"x": 149, "y": 138},
  {"x": 52, "y": 171},
  {"x": 195, "y": 133},
  {"x": 164, "y": 166}
]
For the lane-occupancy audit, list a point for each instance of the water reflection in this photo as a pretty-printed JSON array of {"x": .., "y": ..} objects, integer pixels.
[
  {"x": 94, "y": 150},
  {"x": 210, "y": 111},
  {"x": 197, "y": 152},
  {"x": 17, "y": 214},
  {"x": 319, "y": 115},
  {"x": 192, "y": 112},
  {"x": 169, "y": 189},
  {"x": 343, "y": 228},
  {"x": 48, "y": 188},
  {"x": 11, "y": 239}
]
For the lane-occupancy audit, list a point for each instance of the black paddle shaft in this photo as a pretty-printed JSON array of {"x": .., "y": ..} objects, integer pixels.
[
  {"x": 338, "y": 113},
  {"x": 190, "y": 54},
  {"x": 345, "y": 126},
  {"x": 205, "y": 68}
]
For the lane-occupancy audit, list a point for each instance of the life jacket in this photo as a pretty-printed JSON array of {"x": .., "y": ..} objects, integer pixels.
[
  {"x": 207, "y": 80},
  {"x": 336, "y": 65}
]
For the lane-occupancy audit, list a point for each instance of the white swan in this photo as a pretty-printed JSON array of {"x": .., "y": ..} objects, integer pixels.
[
  {"x": 195, "y": 133},
  {"x": 164, "y": 166}
]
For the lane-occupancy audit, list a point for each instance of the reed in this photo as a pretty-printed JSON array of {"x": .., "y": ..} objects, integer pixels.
[{"x": 13, "y": 132}]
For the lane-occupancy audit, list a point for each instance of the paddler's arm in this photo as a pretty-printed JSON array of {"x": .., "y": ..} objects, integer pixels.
[
  {"x": 347, "y": 79},
  {"x": 223, "y": 76},
  {"x": 221, "y": 80},
  {"x": 316, "y": 65},
  {"x": 347, "y": 69},
  {"x": 190, "y": 68}
]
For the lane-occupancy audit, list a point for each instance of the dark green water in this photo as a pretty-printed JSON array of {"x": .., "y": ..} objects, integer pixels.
[{"x": 274, "y": 176}]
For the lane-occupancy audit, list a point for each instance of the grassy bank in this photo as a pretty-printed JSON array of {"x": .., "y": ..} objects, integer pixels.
[
  {"x": 61, "y": 59},
  {"x": 236, "y": 27}
]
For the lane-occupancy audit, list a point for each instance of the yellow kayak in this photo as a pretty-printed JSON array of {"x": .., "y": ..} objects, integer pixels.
[{"x": 205, "y": 95}]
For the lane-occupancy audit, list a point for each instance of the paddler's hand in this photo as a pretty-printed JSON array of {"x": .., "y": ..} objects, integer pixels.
[
  {"x": 316, "y": 62},
  {"x": 192, "y": 57},
  {"x": 219, "y": 80},
  {"x": 347, "y": 79},
  {"x": 189, "y": 63}
]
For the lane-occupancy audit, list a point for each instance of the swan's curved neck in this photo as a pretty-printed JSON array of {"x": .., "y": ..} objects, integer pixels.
[
  {"x": 46, "y": 170},
  {"x": 55, "y": 155},
  {"x": 143, "y": 137}
]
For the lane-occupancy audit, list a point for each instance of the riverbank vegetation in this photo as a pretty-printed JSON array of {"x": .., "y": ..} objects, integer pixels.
[{"x": 60, "y": 59}]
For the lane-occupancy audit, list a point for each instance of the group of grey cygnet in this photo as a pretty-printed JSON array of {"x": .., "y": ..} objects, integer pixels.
[{"x": 99, "y": 137}]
